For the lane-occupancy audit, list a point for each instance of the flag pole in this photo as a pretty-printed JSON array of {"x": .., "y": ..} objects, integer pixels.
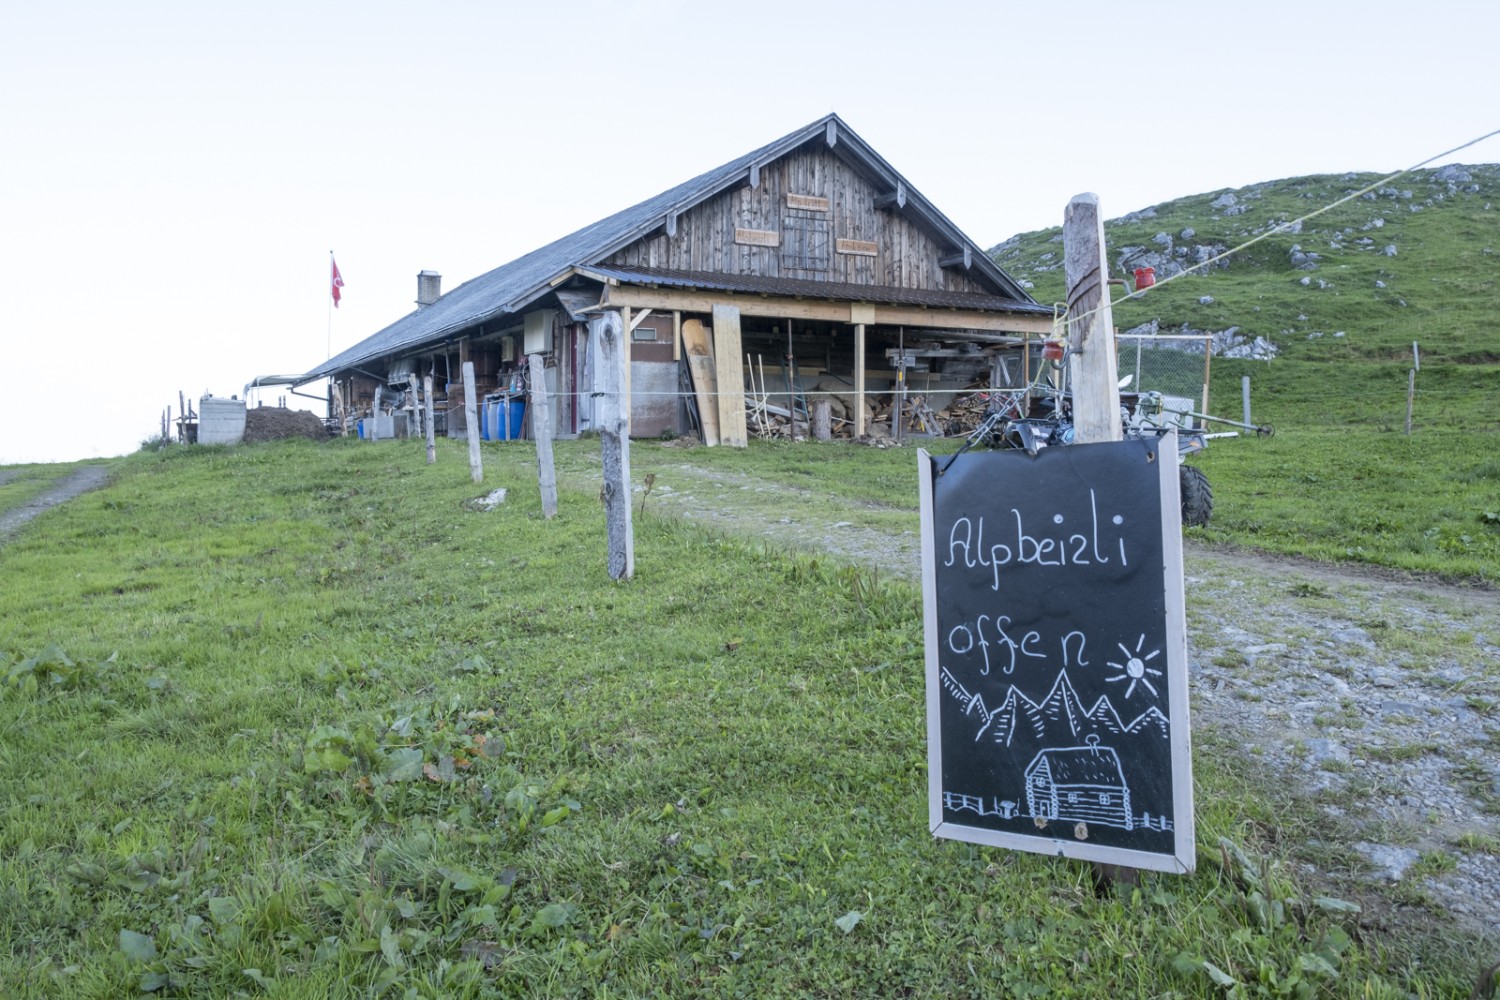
[{"x": 331, "y": 266}]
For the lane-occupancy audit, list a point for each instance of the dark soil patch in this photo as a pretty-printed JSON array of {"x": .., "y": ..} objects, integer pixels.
[{"x": 271, "y": 423}]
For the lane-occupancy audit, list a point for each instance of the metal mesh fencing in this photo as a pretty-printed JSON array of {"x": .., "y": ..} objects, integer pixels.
[{"x": 1173, "y": 365}]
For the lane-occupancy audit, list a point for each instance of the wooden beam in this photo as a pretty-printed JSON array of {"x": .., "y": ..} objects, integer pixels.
[
  {"x": 1092, "y": 365},
  {"x": 671, "y": 223},
  {"x": 824, "y": 310},
  {"x": 963, "y": 258},
  {"x": 895, "y": 199},
  {"x": 636, "y": 320},
  {"x": 430, "y": 420},
  {"x": 831, "y": 134},
  {"x": 755, "y": 175}
]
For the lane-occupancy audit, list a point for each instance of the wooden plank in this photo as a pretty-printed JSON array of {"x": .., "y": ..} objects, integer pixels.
[
  {"x": 705, "y": 379},
  {"x": 756, "y": 237},
  {"x": 727, "y": 353}
]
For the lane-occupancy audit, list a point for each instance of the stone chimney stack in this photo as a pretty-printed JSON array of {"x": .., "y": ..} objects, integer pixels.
[{"x": 429, "y": 288}]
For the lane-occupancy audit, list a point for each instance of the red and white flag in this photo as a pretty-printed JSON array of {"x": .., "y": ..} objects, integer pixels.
[{"x": 338, "y": 280}]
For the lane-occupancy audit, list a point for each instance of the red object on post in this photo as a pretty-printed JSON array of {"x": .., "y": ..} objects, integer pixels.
[
  {"x": 1052, "y": 350},
  {"x": 1145, "y": 277}
]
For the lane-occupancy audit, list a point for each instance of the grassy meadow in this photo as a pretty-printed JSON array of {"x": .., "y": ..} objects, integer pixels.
[{"x": 289, "y": 720}]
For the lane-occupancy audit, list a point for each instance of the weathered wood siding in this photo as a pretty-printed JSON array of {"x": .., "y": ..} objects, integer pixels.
[{"x": 903, "y": 255}]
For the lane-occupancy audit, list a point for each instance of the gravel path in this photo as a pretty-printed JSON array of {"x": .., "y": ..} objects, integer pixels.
[
  {"x": 1370, "y": 703},
  {"x": 85, "y": 478}
]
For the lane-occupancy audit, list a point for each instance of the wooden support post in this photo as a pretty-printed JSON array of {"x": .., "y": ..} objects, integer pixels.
[
  {"x": 614, "y": 438},
  {"x": 416, "y": 409},
  {"x": 822, "y": 420},
  {"x": 471, "y": 422},
  {"x": 626, "y": 348},
  {"x": 375, "y": 412},
  {"x": 430, "y": 419},
  {"x": 731, "y": 376},
  {"x": 1093, "y": 369},
  {"x": 859, "y": 381},
  {"x": 541, "y": 430},
  {"x": 1245, "y": 398}
]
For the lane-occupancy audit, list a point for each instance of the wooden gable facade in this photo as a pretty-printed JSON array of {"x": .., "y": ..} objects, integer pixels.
[{"x": 805, "y": 272}]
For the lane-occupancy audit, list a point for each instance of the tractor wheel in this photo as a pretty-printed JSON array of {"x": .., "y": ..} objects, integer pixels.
[{"x": 1197, "y": 496}]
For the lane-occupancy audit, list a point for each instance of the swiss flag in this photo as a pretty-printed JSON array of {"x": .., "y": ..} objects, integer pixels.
[{"x": 338, "y": 280}]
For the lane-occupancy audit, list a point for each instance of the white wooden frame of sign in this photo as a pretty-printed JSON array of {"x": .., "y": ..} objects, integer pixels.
[{"x": 1182, "y": 860}]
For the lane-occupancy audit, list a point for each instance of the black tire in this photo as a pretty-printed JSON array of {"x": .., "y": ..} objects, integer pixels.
[{"x": 1197, "y": 496}]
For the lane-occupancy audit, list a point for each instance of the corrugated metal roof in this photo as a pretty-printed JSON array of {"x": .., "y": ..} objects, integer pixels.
[
  {"x": 511, "y": 287},
  {"x": 763, "y": 285}
]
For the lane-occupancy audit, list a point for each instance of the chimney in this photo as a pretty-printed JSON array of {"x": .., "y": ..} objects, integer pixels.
[{"x": 429, "y": 288}]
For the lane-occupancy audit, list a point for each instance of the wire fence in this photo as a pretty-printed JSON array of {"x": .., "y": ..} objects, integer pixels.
[{"x": 1171, "y": 364}]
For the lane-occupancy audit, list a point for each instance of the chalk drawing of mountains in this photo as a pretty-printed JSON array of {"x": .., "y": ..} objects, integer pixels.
[{"x": 1060, "y": 716}]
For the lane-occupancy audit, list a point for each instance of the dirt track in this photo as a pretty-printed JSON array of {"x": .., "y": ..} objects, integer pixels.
[{"x": 85, "y": 478}]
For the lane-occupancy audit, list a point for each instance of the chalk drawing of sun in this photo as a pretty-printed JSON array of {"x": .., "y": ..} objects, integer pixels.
[{"x": 1134, "y": 668}]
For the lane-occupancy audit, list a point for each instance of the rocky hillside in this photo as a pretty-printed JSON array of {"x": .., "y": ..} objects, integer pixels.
[{"x": 1412, "y": 260}]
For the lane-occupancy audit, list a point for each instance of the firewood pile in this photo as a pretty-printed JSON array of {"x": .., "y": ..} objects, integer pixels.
[{"x": 964, "y": 412}]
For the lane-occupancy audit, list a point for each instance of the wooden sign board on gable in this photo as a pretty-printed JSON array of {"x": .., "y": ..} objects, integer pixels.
[
  {"x": 858, "y": 248},
  {"x": 757, "y": 238},
  {"x": 807, "y": 202},
  {"x": 1057, "y": 706}
]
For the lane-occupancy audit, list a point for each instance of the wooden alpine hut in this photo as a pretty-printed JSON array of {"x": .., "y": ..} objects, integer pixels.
[{"x": 806, "y": 269}]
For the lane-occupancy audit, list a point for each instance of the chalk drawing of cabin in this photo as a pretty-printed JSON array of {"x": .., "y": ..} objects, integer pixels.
[{"x": 1079, "y": 784}]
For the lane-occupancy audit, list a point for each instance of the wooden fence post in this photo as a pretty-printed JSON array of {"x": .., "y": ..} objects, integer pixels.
[
  {"x": 374, "y": 413},
  {"x": 1411, "y": 395},
  {"x": 541, "y": 429},
  {"x": 822, "y": 420},
  {"x": 614, "y": 437},
  {"x": 1093, "y": 369},
  {"x": 471, "y": 422},
  {"x": 431, "y": 419}
]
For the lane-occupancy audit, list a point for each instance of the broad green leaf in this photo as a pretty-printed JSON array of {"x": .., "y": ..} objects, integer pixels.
[
  {"x": 223, "y": 909},
  {"x": 553, "y": 915},
  {"x": 137, "y": 947},
  {"x": 849, "y": 921},
  {"x": 402, "y": 764},
  {"x": 390, "y": 947},
  {"x": 1218, "y": 975}
]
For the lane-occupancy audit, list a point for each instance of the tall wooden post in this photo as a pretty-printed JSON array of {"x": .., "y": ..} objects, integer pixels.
[
  {"x": 614, "y": 437},
  {"x": 541, "y": 429},
  {"x": 430, "y": 419},
  {"x": 375, "y": 413},
  {"x": 1093, "y": 369},
  {"x": 471, "y": 422},
  {"x": 859, "y": 381},
  {"x": 416, "y": 409}
]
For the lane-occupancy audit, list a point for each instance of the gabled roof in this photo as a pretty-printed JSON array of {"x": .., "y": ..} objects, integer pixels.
[{"x": 512, "y": 287}]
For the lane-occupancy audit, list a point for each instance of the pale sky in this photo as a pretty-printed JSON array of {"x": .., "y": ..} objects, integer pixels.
[{"x": 173, "y": 175}]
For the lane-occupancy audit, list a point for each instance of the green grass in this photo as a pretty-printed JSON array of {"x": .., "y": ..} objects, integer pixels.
[{"x": 287, "y": 720}]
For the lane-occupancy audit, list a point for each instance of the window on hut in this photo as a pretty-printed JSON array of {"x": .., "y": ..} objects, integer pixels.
[{"x": 804, "y": 242}]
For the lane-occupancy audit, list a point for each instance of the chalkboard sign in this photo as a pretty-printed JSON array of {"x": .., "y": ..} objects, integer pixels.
[{"x": 1057, "y": 709}]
